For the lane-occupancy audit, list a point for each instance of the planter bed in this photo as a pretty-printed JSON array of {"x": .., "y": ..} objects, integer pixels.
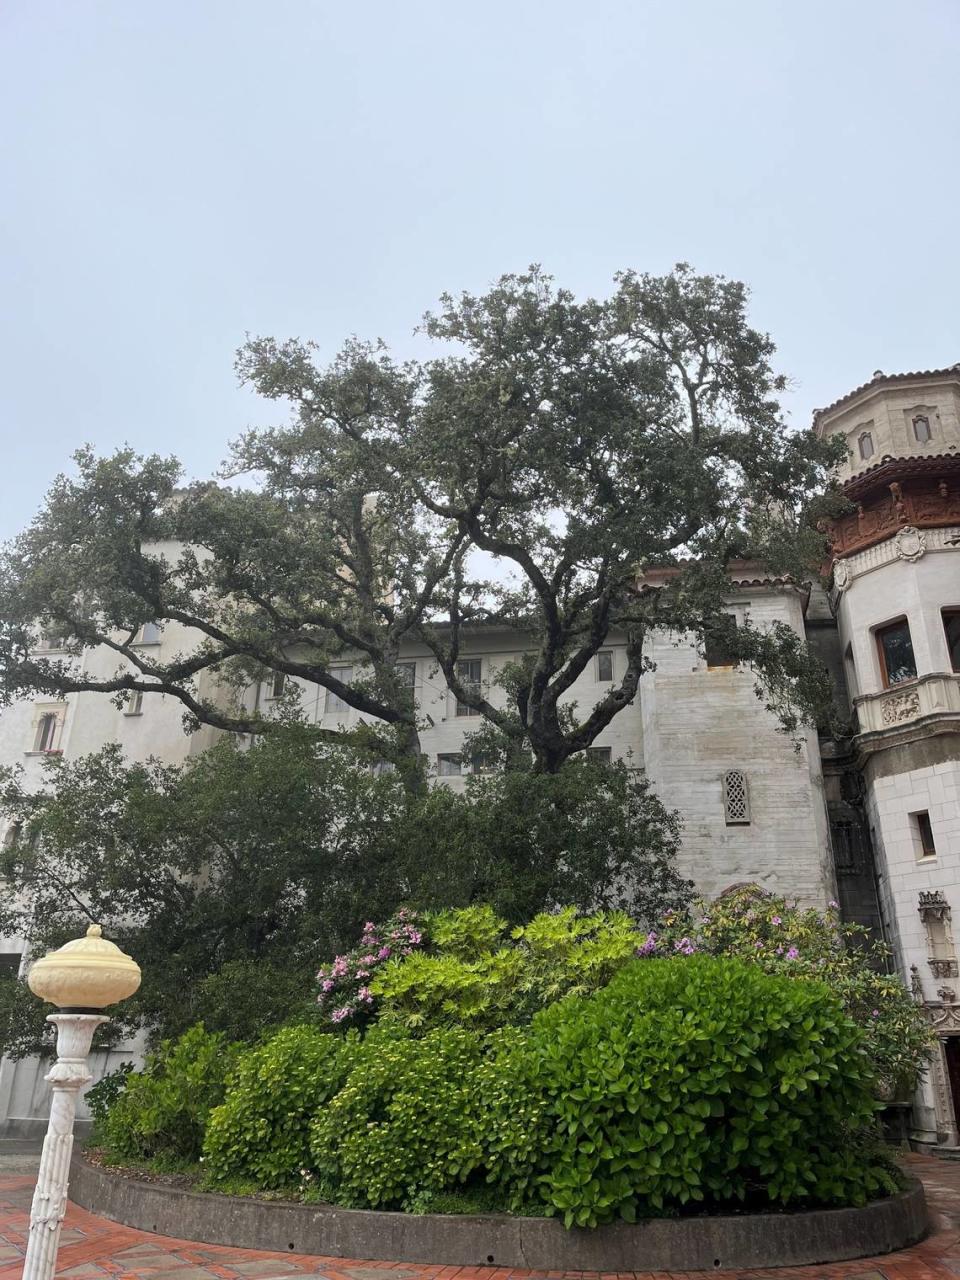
[{"x": 668, "y": 1244}]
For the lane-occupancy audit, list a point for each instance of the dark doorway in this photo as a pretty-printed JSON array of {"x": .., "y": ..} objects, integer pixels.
[{"x": 951, "y": 1051}]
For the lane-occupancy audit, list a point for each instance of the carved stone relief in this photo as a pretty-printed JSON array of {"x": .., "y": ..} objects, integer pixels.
[
  {"x": 900, "y": 706},
  {"x": 911, "y": 543}
]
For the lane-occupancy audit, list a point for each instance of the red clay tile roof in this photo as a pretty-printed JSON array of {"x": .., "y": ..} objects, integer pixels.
[{"x": 880, "y": 379}]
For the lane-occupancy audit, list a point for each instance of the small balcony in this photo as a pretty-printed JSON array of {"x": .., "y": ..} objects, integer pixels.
[{"x": 910, "y": 703}]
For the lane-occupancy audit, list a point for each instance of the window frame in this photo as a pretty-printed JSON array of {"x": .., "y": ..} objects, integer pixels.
[
  {"x": 462, "y": 708},
  {"x": 328, "y": 709},
  {"x": 276, "y": 685},
  {"x": 601, "y": 678},
  {"x": 878, "y": 633},
  {"x": 951, "y": 612},
  {"x": 866, "y": 435},
  {"x": 142, "y": 634},
  {"x": 729, "y": 818},
  {"x": 134, "y": 705},
  {"x": 925, "y": 419},
  {"x": 600, "y": 755},
  {"x": 923, "y": 830},
  {"x": 449, "y": 757},
  {"x": 43, "y": 743}
]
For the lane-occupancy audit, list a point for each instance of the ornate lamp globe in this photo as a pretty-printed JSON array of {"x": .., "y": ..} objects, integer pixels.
[{"x": 85, "y": 975}]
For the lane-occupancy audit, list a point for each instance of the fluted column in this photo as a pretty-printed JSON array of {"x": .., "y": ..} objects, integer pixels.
[{"x": 68, "y": 1075}]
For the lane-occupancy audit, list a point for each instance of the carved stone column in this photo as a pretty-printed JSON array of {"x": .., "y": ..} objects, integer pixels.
[{"x": 68, "y": 1075}]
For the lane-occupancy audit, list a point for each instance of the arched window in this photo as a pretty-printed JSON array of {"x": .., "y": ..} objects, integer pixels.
[
  {"x": 866, "y": 445},
  {"x": 921, "y": 428},
  {"x": 736, "y": 799}
]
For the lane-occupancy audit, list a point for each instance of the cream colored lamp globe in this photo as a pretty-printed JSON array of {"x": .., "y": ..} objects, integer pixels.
[{"x": 85, "y": 975}]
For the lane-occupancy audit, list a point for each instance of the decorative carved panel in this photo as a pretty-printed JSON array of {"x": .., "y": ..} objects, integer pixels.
[
  {"x": 897, "y": 499},
  {"x": 900, "y": 706}
]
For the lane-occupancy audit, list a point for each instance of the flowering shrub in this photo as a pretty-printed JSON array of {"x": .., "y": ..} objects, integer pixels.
[
  {"x": 780, "y": 937},
  {"x": 345, "y": 996}
]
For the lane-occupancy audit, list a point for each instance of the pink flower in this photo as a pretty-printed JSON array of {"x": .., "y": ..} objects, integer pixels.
[
  {"x": 338, "y": 1015},
  {"x": 793, "y": 954},
  {"x": 833, "y": 904},
  {"x": 875, "y": 1014},
  {"x": 775, "y": 920},
  {"x": 365, "y": 996},
  {"x": 383, "y": 953},
  {"x": 367, "y": 959},
  {"x": 327, "y": 985}
]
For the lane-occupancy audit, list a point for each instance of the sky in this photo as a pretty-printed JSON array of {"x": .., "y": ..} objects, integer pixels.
[{"x": 174, "y": 176}]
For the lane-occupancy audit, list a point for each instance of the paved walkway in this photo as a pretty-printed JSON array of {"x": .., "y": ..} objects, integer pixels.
[{"x": 93, "y": 1248}]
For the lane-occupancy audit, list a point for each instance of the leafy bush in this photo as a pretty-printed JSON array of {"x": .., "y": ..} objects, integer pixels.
[
  {"x": 474, "y": 974},
  {"x": 401, "y": 1126},
  {"x": 161, "y": 1112},
  {"x": 101, "y": 1096},
  {"x": 262, "y": 1129},
  {"x": 707, "y": 1081},
  {"x": 781, "y": 937}
]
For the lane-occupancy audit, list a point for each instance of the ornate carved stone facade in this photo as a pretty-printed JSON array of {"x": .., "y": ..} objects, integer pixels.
[{"x": 897, "y": 499}]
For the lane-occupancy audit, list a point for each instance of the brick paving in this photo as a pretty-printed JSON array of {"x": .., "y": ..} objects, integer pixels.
[{"x": 93, "y": 1248}]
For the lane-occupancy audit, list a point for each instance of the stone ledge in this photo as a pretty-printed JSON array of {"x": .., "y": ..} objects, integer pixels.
[{"x": 540, "y": 1244}]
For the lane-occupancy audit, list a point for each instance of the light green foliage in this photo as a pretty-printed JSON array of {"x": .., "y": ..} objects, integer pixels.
[
  {"x": 261, "y": 1131},
  {"x": 697, "y": 1081},
  {"x": 802, "y": 942},
  {"x": 400, "y": 1127},
  {"x": 161, "y": 1114},
  {"x": 478, "y": 974}
]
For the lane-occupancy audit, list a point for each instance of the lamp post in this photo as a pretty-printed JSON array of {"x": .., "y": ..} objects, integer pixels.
[{"x": 80, "y": 978}]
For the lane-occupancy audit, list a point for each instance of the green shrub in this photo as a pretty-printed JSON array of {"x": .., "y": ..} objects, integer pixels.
[
  {"x": 701, "y": 1080},
  {"x": 402, "y": 1126},
  {"x": 101, "y": 1096},
  {"x": 161, "y": 1112},
  {"x": 781, "y": 937},
  {"x": 262, "y": 1129},
  {"x": 479, "y": 975}
]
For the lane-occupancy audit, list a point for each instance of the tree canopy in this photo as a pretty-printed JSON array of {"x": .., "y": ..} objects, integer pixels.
[{"x": 580, "y": 444}]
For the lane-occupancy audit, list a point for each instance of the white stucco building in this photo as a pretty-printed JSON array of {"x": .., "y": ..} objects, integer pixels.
[
  {"x": 872, "y": 819},
  {"x": 896, "y": 597}
]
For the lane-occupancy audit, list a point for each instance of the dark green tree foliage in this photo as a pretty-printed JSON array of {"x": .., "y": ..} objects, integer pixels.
[
  {"x": 233, "y": 877},
  {"x": 579, "y": 443}
]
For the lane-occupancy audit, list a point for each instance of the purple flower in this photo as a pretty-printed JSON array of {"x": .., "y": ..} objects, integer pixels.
[
  {"x": 875, "y": 1014},
  {"x": 327, "y": 985},
  {"x": 758, "y": 944},
  {"x": 367, "y": 959},
  {"x": 833, "y": 904},
  {"x": 776, "y": 920},
  {"x": 793, "y": 954},
  {"x": 684, "y": 946},
  {"x": 338, "y": 1015},
  {"x": 648, "y": 946},
  {"x": 383, "y": 953},
  {"x": 365, "y": 996}
]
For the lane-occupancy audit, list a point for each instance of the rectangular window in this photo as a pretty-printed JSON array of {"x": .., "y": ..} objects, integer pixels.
[
  {"x": 951, "y": 628},
  {"x": 46, "y": 732},
  {"x": 468, "y": 673},
  {"x": 134, "y": 705},
  {"x": 9, "y": 964},
  {"x": 407, "y": 673},
  {"x": 334, "y": 702},
  {"x": 604, "y": 666},
  {"x": 925, "y": 835},
  {"x": 449, "y": 767},
  {"x": 895, "y": 650},
  {"x": 149, "y": 633},
  {"x": 599, "y": 755},
  {"x": 277, "y": 681}
]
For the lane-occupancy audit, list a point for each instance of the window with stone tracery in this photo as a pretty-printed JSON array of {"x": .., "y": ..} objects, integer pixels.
[
  {"x": 921, "y": 428},
  {"x": 736, "y": 798},
  {"x": 934, "y": 911},
  {"x": 865, "y": 445}
]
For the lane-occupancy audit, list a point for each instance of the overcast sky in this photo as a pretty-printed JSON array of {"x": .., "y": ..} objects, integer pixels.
[{"x": 178, "y": 173}]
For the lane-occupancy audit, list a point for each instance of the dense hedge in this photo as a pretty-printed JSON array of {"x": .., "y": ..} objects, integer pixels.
[{"x": 686, "y": 1082}]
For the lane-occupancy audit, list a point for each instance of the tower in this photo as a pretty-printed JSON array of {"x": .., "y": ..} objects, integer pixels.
[{"x": 895, "y": 560}]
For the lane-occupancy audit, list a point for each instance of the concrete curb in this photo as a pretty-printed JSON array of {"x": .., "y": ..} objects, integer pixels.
[{"x": 539, "y": 1244}]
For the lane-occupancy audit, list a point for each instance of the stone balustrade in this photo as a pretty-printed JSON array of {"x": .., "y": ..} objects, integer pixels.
[{"x": 929, "y": 695}]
